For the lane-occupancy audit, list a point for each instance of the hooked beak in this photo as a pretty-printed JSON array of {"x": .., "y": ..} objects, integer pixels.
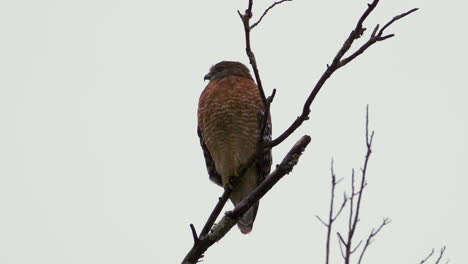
[{"x": 208, "y": 76}]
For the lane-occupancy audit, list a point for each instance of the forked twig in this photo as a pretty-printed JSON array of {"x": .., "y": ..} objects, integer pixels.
[
  {"x": 371, "y": 236},
  {"x": 266, "y": 11}
]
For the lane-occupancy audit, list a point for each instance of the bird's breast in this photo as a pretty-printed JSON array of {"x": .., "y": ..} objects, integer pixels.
[{"x": 228, "y": 118}]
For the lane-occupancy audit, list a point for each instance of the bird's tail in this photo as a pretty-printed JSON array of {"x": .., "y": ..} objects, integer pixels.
[
  {"x": 245, "y": 224},
  {"x": 248, "y": 183}
]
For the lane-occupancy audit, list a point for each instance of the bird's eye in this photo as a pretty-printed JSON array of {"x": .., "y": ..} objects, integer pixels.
[{"x": 219, "y": 69}]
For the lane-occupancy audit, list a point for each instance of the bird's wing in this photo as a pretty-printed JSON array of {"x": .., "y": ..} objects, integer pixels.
[
  {"x": 265, "y": 160},
  {"x": 263, "y": 166},
  {"x": 210, "y": 165}
]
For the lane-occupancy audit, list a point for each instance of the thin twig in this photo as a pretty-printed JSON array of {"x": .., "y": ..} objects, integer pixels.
[
  {"x": 342, "y": 206},
  {"x": 331, "y": 217},
  {"x": 194, "y": 234},
  {"x": 215, "y": 213},
  {"x": 363, "y": 176},
  {"x": 372, "y": 234},
  {"x": 246, "y": 22},
  {"x": 375, "y": 37},
  {"x": 395, "y": 19},
  {"x": 356, "y": 247},
  {"x": 266, "y": 11},
  {"x": 439, "y": 258},
  {"x": 330, "y": 214},
  {"x": 428, "y": 257},
  {"x": 321, "y": 221},
  {"x": 441, "y": 255},
  {"x": 351, "y": 201},
  {"x": 246, "y": 17}
]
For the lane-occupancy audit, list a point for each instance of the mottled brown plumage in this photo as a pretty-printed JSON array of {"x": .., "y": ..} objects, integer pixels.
[{"x": 230, "y": 113}]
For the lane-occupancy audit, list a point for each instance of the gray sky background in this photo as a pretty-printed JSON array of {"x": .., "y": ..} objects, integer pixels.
[{"x": 100, "y": 161}]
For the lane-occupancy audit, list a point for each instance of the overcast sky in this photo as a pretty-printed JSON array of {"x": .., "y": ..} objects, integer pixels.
[{"x": 100, "y": 161}]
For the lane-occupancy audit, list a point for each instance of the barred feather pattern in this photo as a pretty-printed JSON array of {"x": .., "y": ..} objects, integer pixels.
[{"x": 230, "y": 116}]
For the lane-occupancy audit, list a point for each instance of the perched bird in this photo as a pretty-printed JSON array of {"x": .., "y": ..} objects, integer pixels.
[{"x": 230, "y": 114}]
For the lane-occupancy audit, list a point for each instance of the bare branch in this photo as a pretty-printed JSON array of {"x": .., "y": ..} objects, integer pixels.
[
  {"x": 428, "y": 257},
  {"x": 246, "y": 22},
  {"x": 363, "y": 171},
  {"x": 337, "y": 63},
  {"x": 342, "y": 243},
  {"x": 266, "y": 11},
  {"x": 331, "y": 218},
  {"x": 330, "y": 215},
  {"x": 354, "y": 222},
  {"x": 355, "y": 200},
  {"x": 375, "y": 37},
  {"x": 215, "y": 213},
  {"x": 351, "y": 201},
  {"x": 231, "y": 218},
  {"x": 441, "y": 255},
  {"x": 372, "y": 234}
]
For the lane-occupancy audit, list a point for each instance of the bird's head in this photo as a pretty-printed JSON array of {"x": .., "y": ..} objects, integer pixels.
[{"x": 227, "y": 68}]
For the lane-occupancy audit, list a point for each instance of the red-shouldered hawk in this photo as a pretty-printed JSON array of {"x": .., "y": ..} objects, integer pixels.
[{"x": 230, "y": 114}]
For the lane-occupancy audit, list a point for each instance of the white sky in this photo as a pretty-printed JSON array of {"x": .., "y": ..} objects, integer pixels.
[{"x": 100, "y": 161}]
